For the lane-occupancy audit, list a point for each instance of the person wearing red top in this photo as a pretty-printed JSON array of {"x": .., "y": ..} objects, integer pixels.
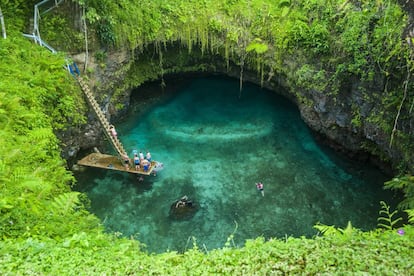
[{"x": 260, "y": 187}]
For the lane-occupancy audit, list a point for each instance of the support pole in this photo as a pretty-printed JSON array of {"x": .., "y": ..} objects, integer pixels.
[
  {"x": 85, "y": 29},
  {"x": 3, "y": 26}
]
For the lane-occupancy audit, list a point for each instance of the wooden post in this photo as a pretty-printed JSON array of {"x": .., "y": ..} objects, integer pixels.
[{"x": 3, "y": 27}]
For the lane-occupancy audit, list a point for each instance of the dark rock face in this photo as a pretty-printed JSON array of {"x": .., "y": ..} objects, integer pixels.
[
  {"x": 331, "y": 117},
  {"x": 75, "y": 140}
]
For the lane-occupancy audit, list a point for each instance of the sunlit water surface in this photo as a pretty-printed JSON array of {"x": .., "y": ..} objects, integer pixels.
[{"x": 215, "y": 144}]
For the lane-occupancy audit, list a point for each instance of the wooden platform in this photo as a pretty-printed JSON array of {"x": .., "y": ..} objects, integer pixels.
[{"x": 110, "y": 162}]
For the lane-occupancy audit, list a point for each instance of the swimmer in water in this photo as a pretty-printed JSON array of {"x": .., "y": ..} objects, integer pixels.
[{"x": 260, "y": 187}]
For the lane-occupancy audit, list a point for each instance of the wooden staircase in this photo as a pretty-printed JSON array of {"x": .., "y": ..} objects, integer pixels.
[
  {"x": 102, "y": 119},
  {"x": 105, "y": 161}
]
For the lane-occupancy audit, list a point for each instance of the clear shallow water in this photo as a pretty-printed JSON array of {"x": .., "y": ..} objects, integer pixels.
[{"x": 215, "y": 146}]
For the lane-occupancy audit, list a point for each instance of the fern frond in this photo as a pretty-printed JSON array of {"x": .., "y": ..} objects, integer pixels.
[
  {"x": 6, "y": 204},
  {"x": 385, "y": 226},
  {"x": 394, "y": 222},
  {"x": 406, "y": 185},
  {"x": 383, "y": 219},
  {"x": 66, "y": 203},
  {"x": 386, "y": 219},
  {"x": 383, "y": 212},
  {"x": 327, "y": 230},
  {"x": 349, "y": 230},
  {"x": 410, "y": 215},
  {"x": 393, "y": 213}
]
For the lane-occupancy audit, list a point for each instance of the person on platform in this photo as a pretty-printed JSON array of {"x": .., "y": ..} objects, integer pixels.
[
  {"x": 145, "y": 164},
  {"x": 148, "y": 156},
  {"x": 136, "y": 162},
  {"x": 126, "y": 161}
]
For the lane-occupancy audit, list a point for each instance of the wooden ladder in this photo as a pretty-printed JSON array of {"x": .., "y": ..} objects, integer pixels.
[{"x": 102, "y": 119}]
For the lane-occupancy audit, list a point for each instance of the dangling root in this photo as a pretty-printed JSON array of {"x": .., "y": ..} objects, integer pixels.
[{"x": 400, "y": 107}]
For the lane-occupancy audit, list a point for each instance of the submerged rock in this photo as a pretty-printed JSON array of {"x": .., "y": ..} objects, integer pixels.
[{"x": 183, "y": 208}]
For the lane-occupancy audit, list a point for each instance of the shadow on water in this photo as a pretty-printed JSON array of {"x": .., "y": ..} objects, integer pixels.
[{"x": 215, "y": 146}]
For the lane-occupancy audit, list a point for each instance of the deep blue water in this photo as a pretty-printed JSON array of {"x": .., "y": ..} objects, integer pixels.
[{"x": 215, "y": 144}]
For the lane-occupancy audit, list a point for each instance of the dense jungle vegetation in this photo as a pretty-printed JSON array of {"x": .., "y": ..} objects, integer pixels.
[{"x": 316, "y": 44}]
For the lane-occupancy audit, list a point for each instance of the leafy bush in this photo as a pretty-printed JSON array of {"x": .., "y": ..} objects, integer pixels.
[
  {"x": 372, "y": 253},
  {"x": 38, "y": 97}
]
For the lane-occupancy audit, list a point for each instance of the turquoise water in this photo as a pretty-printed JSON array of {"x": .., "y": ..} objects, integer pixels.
[{"x": 215, "y": 144}]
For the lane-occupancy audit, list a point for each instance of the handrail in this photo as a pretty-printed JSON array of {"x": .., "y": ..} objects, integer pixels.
[
  {"x": 39, "y": 41},
  {"x": 36, "y": 32}
]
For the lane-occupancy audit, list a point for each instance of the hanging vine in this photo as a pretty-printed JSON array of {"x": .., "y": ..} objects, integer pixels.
[
  {"x": 161, "y": 64},
  {"x": 242, "y": 58},
  {"x": 406, "y": 83}
]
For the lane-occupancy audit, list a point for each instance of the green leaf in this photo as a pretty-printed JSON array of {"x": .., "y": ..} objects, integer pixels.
[
  {"x": 257, "y": 46},
  {"x": 66, "y": 203}
]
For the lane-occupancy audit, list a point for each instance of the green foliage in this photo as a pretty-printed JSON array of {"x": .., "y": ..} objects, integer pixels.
[
  {"x": 373, "y": 253},
  {"x": 257, "y": 46},
  {"x": 38, "y": 97},
  {"x": 66, "y": 203},
  {"x": 15, "y": 13},
  {"x": 310, "y": 77},
  {"x": 58, "y": 33},
  {"x": 106, "y": 33},
  {"x": 356, "y": 119},
  {"x": 386, "y": 219},
  {"x": 410, "y": 215},
  {"x": 119, "y": 106},
  {"x": 100, "y": 56},
  {"x": 406, "y": 185},
  {"x": 332, "y": 230}
]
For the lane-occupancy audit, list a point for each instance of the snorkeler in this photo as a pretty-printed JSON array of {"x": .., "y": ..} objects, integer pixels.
[{"x": 260, "y": 187}]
